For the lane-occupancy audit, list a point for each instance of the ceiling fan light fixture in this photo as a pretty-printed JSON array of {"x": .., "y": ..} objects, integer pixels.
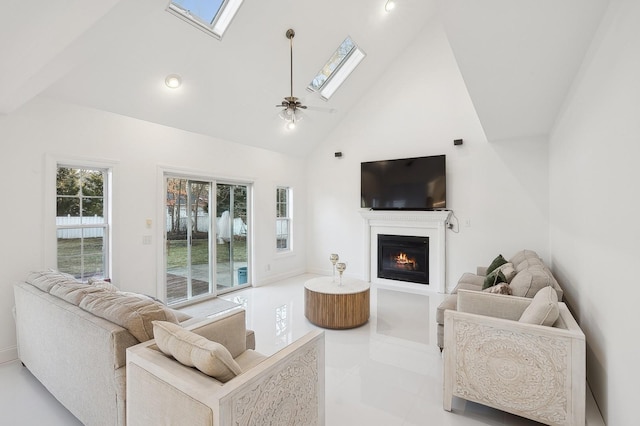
[
  {"x": 291, "y": 118},
  {"x": 291, "y": 105}
]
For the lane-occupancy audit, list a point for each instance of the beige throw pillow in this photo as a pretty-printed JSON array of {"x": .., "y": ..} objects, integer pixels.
[
  {"x": 543, "y": 309},
  {"x": 508, "y": 271},
  {"x": 193, "y": 350},
  {"x": 502, "y": 288},
  {"x": 528, "y": 282}
]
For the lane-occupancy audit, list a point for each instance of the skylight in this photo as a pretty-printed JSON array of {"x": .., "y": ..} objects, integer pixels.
[
  {"x": 211, "y": 16},
  {"x": 342, "y": 63}
]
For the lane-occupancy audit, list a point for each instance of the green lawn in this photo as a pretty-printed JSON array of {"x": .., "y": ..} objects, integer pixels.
[
  {"x": 69, "y": 254},
  {"x": 177, "y": 252}
]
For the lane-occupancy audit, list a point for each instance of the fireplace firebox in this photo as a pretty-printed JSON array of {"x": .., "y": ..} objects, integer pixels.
[{"x": 403, "y": 258}]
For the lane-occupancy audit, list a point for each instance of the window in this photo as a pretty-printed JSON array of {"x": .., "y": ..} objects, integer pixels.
[
  {"x": 283, "y": 219},
  {"x": 82, "y": 222},
  {"x": 211, "y": 16},
  {"x": 341, "y": 64}
]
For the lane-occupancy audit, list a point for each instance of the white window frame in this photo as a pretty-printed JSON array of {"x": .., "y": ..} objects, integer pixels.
[
  {"x": 50, "y": 211},
  {"x": 287, "y": 218}
]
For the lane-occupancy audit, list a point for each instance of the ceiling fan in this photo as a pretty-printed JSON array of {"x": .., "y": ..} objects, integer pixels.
[{"x": 291, "y": 105}]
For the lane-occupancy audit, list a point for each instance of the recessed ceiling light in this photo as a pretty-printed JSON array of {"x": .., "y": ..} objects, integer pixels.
[{"x": 173, "y": 81}]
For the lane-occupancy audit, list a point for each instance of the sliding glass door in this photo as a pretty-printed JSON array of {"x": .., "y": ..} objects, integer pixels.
[
  {"x": 232, "y": 250},
  {"x": 206, "y": 239}
]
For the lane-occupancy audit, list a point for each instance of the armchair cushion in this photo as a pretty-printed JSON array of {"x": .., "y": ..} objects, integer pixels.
[
  {"x": 543, "y": 309},
  {"x": 192, "y": 350}
]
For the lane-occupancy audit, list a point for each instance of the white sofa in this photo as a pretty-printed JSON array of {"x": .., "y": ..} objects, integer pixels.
[
  {"x": 530, "y": 275},
  {"x": 79, "y": 356},
  {"x": 286, "y": 388},
  {"x": 496, "y": 357}
]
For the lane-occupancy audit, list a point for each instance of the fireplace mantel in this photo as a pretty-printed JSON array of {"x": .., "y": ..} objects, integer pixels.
[{"x": 430, "y": 224}]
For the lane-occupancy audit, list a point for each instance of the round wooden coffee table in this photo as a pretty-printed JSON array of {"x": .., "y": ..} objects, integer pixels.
[{"x": 329, "y": 305}]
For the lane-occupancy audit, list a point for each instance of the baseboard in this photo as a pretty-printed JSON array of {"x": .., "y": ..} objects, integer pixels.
[
  {"x": 279, "y": 277},
  {"x": 8, "y": 354}
]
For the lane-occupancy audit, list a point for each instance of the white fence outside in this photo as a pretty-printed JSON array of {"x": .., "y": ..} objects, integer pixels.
[
  {"x": 222, "y": 225},
  {"x": 97, "y": 232}
]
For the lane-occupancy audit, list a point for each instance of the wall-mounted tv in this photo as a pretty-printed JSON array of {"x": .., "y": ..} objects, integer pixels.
[{"x": 404, "y": 184}]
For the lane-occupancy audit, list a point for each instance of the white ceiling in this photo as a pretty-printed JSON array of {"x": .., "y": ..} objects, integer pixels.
[{"x": 518, "y": 59}]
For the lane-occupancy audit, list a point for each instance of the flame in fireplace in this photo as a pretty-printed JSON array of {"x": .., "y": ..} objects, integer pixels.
[{"x": 404, "y": 262}]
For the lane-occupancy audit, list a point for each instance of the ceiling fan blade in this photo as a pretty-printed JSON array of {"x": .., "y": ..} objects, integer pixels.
[{"x": 322, "y": 109}]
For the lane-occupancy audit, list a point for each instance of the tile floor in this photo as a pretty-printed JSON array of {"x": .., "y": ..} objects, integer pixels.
[{"x": 387, "y": 372}]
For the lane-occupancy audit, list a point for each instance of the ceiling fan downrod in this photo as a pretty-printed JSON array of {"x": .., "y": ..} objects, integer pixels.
[{"x": 290, "y": 34}]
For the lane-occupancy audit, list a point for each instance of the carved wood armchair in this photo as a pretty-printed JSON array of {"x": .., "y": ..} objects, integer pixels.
[
  {"x": 285, "y": 388},
  {"x": 533, "y": 371}
]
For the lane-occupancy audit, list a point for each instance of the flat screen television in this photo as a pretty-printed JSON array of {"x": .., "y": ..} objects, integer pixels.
[{"x": 404, "y": 184}]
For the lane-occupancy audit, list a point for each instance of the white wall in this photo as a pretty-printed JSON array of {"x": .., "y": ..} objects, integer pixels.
[
  {"x": 47, "y": 129},
  {"x": 595, "y": 205},
  {"x": 418, "y": 108}
]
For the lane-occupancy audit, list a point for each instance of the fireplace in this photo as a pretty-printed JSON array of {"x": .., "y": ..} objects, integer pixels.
[
  {"x": 403, "y": 258},
  {"x": 431, "y": 224}
]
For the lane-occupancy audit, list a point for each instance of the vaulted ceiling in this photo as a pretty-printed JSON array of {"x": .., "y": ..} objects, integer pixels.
[{"x": 518, "y": 59}]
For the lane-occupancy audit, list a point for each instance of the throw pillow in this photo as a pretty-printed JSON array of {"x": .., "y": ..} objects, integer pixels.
[
  {"x": 543, "y": 309},
  {"x": 193, "y": 350},
  {"x": 528, "y": 282},
  {"x": 494, "y": 278},
  {"x": 498, "y": 261},
  {"x": 502, "y": 288},
  {"x": 508, "y": 270}
]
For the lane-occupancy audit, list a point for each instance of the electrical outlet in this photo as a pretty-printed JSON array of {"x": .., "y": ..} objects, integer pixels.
[
  {"x": 146, "y": 240},
  {"x": 467, "y": 223},
  {"x": 267, "y": 267}
]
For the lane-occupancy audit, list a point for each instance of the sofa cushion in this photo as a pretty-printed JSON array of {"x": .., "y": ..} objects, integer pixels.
[
  {"x": 522, "y": 255},
  {"x": 529, "y": 263},
  {"x": 450, "y": 302},
  {"x": 133, "y": 313},
  {"x": 469, "y": 281},
  {"x": 106, "y": 285},
  {"x": 193, "y": 350},
  {"x": 44, "y": 280},
  {"x": 543, "y": 309},
  {"x": 528, "y": 282},
  {"x": 73, "y": 292},
  {"x": 498, "y": 261}
]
